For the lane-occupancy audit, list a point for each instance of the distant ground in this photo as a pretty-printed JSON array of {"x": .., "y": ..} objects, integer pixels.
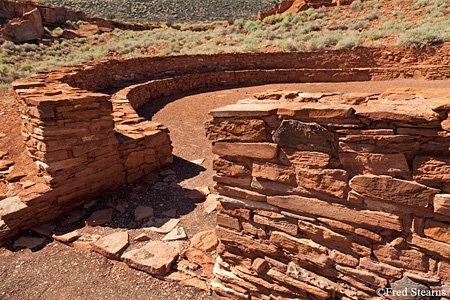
[{"x": 169, "y": 10}]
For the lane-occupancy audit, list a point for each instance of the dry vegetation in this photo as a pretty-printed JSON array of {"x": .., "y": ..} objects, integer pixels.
[{"x": 408, "y": 23}]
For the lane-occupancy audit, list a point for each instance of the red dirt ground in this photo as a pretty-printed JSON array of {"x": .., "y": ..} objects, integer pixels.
[{"x": 56, "y": 271}]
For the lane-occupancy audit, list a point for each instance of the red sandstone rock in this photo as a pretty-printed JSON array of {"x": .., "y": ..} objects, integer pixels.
[
  {"x": 154, "y": 258},
  {"x": 44, "y": 229},
  {"x": 239, "y": 130},
  {"x": 304, "y": 159},
  {"x": 380, "y": 268},
  {"x": 227, "y": 221},
  {"x": 328, "y": 181},
  {"x": 260, "y": 265},
  {"x": 245, "y": 110},
  {"x": 390, "y": 189},
  {"x": 113, "y": 245},
  {"x": 274, "y": 172},
  {"x": 403, "y": 258},
  {"x": 27, "y": 29},
  {"x": 28, "y": 242},
  {"x": 100, "y": 217},
  {"x": 343, "y": 259},
  {"x": 442, "y": 204},
  {"x": 363, "y": 275},
  {"x": 431, "y": 168},
  {"x": 67, "y": 237},
  {"x": 164, "y": 225},
  {"x": 231, "y": 168},
  {"x": 239, "y": 193},
  {"x": 437, "y": 230},
  {"x": 143, "y": 212},
  {"x": 254, "y": 150},
  {"x": 434, "y": 97},
  {"x": 177, "y": 234},
  {"x": 187, "y": 280},
  {"x": 205, "y": 240},
  {"x": 336, "y": 211},
  {"x": 375, "y": 163}
]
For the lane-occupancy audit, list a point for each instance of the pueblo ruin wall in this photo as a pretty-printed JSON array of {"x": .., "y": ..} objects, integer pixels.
[
  {"x": 85, "y": 141},
  {"x": 333, "y": 197}
]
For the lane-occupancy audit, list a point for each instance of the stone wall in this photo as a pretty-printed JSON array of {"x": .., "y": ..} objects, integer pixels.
[
  {"x": 75, "y": 131},
  {"x": 332, "y": 195}
]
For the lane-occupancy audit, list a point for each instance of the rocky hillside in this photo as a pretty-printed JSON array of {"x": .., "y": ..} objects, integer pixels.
[{"x": 168, "y": 10}]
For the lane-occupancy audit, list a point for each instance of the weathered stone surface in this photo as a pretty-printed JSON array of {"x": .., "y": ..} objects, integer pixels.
[
  {"x": 280, "y": 224},
  {"x": 112, "y": 245},
  {"x": 444, "y": 270},
  {"x": 210, "y": 203},
  {"x": 301, "y": 246},
  {"x": 11, "y": 208},
  {"x": 230, "y": 203},
  {"x": 280, "y": 277},
  {"x": 227, "y": 221},
  {"x": 343, "y": 259},
  {"x": 226, "y": 291},
  {"x": 253, "y": 150},
  {"x": 442, "y": 204},
  {"x": 316, "y": 110},
  {"x": 336, "y": 211},
  {"x": 378, "y": 143},
  {"x": 433, "y": 169},
  {"x": 197, "y": 256},
  {"x": 205, "y": 240},
  {"x": 333, "y": 182},
  {"x": 305, "y": 136},
  {"x": 226, "y": 167},
  {"x": 28, "y": 242},
  {"x": 249, "y": 243},
  {"x": 245, "y": 110},
  {"x": 390, "y": 189},
  {"x": 364, "y": 276},
  {"x": 67, "y": 237},
  {"x": 440, "y": 248},
  {"x": 27, "y": 29},
  {"x": 154, "y": 258},
  {"x": 403, "y": 258},
  {"x": 437, "y": 230},
  {"x": 410, "y": 111},
  {"x": 380, "y": 268},
  {"x": 260, "y": 265},
  {"x": 177, "y": 234},
  {"x": 303, "y": 159},
  {"x": 142, "y": 237},
  {"x": 297, "y": 272},
  {"x": 411, "y": 287},
  {"x": 143, "y": 212},
  {"x": 100, "y": 217},
  {"x": 435, "y": 98},
  {"x": 274, "y": 172},
  {"x": 375, "y": 163},
  {"x": 237, "y": 192},
  {"x": 164, "y": 225},
  {"x": 239, "y": 130}
]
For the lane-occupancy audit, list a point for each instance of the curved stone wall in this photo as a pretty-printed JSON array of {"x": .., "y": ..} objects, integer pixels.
[{"x": 85, "y": 140}]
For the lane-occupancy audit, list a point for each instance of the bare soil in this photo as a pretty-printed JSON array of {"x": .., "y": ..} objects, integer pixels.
[{"x": 57, "y": 271}]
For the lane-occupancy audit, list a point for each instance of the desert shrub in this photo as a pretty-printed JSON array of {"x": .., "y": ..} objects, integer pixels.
[
  {"x": 287, "y": 45},
  {"x": 350, "y": 41},
  {"x": 57, "y": 31},
  {"x": 110, "y": 16},
  {"x": 421, "y": 37},
  {"x": 273, "y": 19},
  {"x": 373, "y": 34},
  {"x": 357, "y": 5},
  {"x": 419, "y": 4},
  {"x": 360, "y": 25},
  {"x": 239, "y": 23}
]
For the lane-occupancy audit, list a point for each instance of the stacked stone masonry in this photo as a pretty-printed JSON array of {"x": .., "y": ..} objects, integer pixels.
[
  {"x": 332, "y": 196},
  {"x": 86, "y": 140}
]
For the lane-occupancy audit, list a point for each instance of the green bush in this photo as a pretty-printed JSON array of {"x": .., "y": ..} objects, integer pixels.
[
  {"x": 357, "y": 5},
  {"x": 349, "y": 42},
  {"x": 422, "y": 37}
]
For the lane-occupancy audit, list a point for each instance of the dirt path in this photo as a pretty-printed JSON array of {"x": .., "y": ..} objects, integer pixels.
[{"x": 56, "y": 271}]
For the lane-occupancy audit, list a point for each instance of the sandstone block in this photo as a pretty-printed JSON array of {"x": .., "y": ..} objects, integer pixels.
[
  {"x": 236, "y": 130},
  {"x": 143, "y": 212},
  {"x": 431, "y": 168},
  {"x": 28, "y": 242},
  {"x": 226, "y": 167},
  {"x": 305, "y": 136},
  {"x": 253, "y": 150},
  {"x": 297, "y": 272},
  {"x": 336, "y": 211},
  {"x": 205, "y": 240},
  {"x": 274, "y": 172},
  {"x": 440, "y": 248},
  {"x": 113, "y": 245},
  {"x": 177, "y": 234},
  {"x": 282, "y": 225},
  {"x": 67, "y": 237},
  {"x": 231, "y": 203},
  {"x": 437, "y": 230},
  {"x": 343, "y": 259},
  {"x": 100, "y": 217},
  {"x": 363, "y": 275},
  {"x": 303, "y": 159},
  {"x": 227, "y": 221},
  {"x": 260, "y": 265},
  {"x": 390, "y": 189},
  {"x": 442, "y": 204},
  {"x": 154, "y": 258},
  {"x": 11, "y": 208},
  {"x": 380, "y": 268},
  {"x": 300, "y": 246},
  {"x": 245, "y": 110},
  {"x": 239, "y": 193},
  {"x": 316, "y": 110},
  {"x": 332, "y": 182},
  {"x": 402, "y": 258},
  {"x": 375, "y": 163},
  {"x": 164, "y": 225}
]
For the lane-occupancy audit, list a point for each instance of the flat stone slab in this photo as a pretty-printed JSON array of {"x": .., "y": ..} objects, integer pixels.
[
  {"x": 28, "y": 242},
  {"x": 164, "y": 225},
  {"x": 143, "y": 212},
  {"x": 100, "y": 217},
  {"x": 142, "y": 237},
  {"x": 112, "y": 245},
  {"x": 44, "y": 229},
  {"x": 11, "y": 208},
  {"x": 205, "y": 240},
  {"x": 67, "y": 237},
  {"x": 155, "y": 257},
  {"x": 210, "y": 204},
  {"x": 177, "y": 234}
]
